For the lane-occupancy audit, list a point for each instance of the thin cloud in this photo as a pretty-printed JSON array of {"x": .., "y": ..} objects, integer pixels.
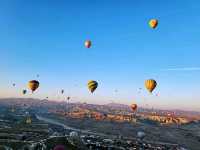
[{"x": 183, "y": 69}]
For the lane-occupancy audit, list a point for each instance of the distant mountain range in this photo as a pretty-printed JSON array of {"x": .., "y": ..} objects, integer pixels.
[
  {"x": 117, "y": 105},
  {"x": 12, "y": 101}
]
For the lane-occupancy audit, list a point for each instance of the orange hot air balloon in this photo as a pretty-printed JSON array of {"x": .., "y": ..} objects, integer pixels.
[
  {"x": 88, "y": 44},
  {"x": 153, "y": 23},
  {"x": 33, "y": 85},
  {"x": 150, "y": 85},
  {"x": 134, "y": 107}
]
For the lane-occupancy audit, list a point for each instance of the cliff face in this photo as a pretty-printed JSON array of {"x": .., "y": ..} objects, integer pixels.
[
  {"x": 167, "y": 119},
  {"x": 82, "y": 113}
]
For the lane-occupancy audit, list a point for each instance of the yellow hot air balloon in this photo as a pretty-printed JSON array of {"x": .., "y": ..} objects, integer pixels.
[
  {"x": 92, "y": 85},
  {"x": 88, "y": 44},
  {"x": 150, "y": 84},
  {"x": 33, "y": 85},
  {"x": 153, "y": 23}
]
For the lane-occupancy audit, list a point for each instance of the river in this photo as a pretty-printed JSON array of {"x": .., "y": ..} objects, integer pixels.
[{"x": 55, "y": 122}]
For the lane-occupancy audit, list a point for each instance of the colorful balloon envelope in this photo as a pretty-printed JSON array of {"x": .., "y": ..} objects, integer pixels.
[
  {"x": 62, "y": 91},
  {"x": 28, "y": 120},
  {"x": 92, "y": 85},
  {"x": 59, "y": 147},
  {"x": 33, "y": 85},
  {"x": 24, "y": 92},
  {"x": 88, "y": 44},
  {"x": 133, "y": 107},
  {"x": 150, "y": 85},
  {"x": 153, "y": 23}
]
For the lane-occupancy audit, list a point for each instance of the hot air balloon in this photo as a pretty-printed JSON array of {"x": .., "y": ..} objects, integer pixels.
[
  {"x": 92, "y": 85},
  {"x": 14, "y": 84},
  {"x": 88, "y": 44},
  {"x": 141, "y": 134},
  {"x": 73, "y": 135},
  {"x": 153, "y": 23},
  {"x": 37, "y": 75},
  {"x": 59, "y": 147},
  {"x": 134, "y": 107},
  {"x": 28, "y": 120},
  {"x": 12, "y": 109},
  {"x": 150, "y": 84},
  {"x": 105, "y": 115},
  {"x": 140, "y": 90},
  {"x": 33, "y": 85},
  {"x": 68, "y": 98},
  {"x": 24, "y": 92},
  {"x": 62, "y": 91}
]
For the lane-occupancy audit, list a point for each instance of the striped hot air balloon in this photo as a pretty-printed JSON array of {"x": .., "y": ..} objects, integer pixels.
[
  {"x": 153, "y": 23},
  {"x": 92, "y": 85},
  {"x": 33, "y": 85},
  {"x": 150, "y": 85}
]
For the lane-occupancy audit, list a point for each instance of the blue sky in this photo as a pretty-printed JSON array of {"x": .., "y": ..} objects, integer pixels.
[{"x": 47, "y": 38}]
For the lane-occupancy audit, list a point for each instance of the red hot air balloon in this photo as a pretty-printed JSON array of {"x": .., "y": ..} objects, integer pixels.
[
  {"x": 88, "y": 44},
  {"x": 134, "y": 107},
  {"x": 59, "y": 147}
]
